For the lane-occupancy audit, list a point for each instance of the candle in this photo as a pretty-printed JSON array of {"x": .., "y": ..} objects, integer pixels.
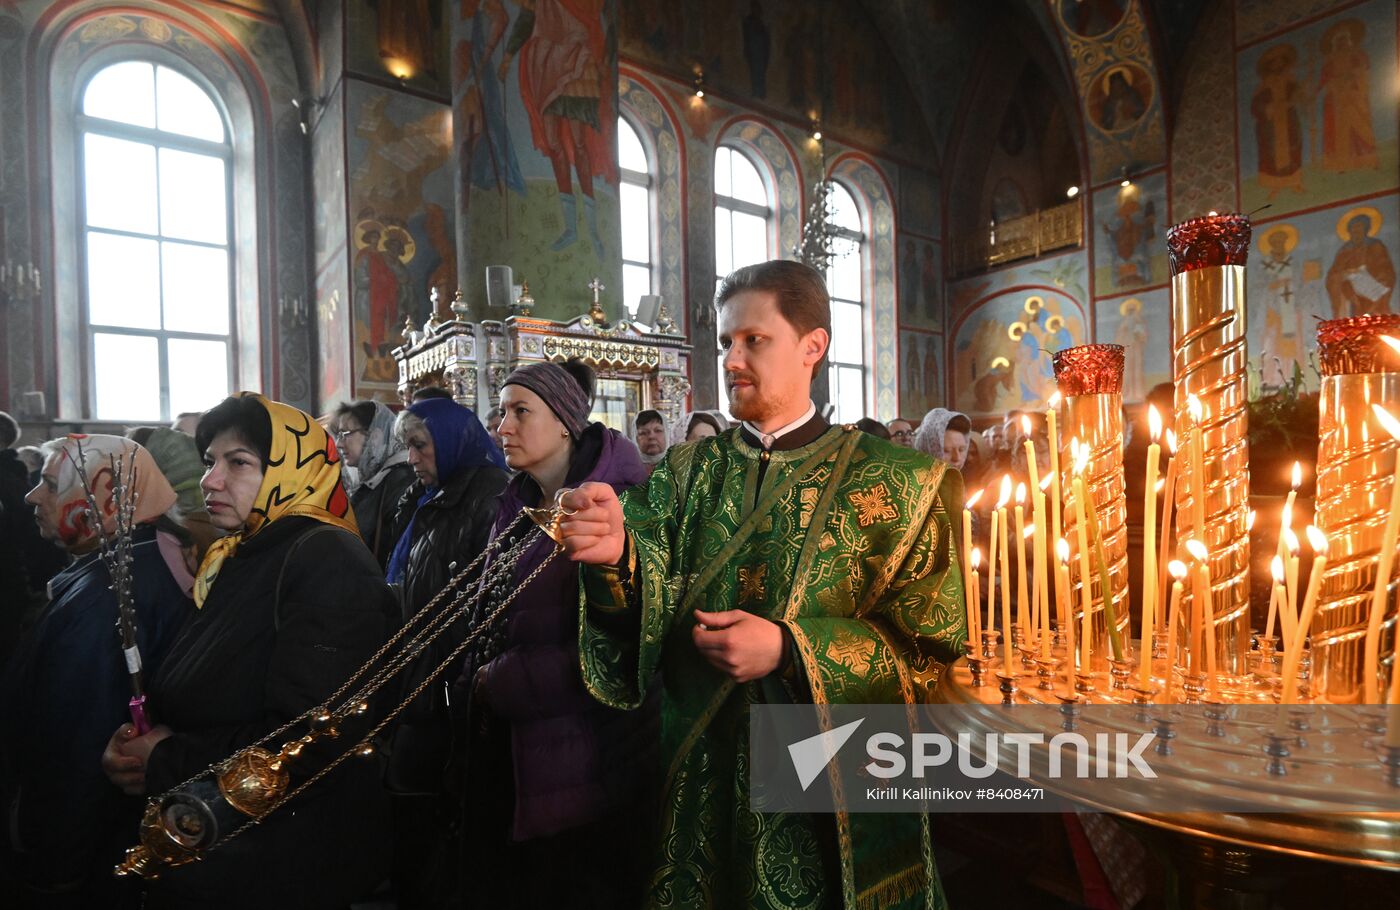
[
  {"x": 1085, "y": 596},
  {"x": 1386, "y": 559},
  {"x": 1110, "y": 607},
  {"x": 1168, "y": 504},
  {"x": 1276, "y": 597},
  {"x": 972, "y": 626},
  {"x": 1149, "y": 549},
  {"x": 1198, "y": 466},
  {"x": 1286, "y": 516},
  {"x": 1054, "y": 434},
  {"x": 992, "y": 575},
  {"x": 1005, "y": 555},
  {"x": 1177, "y": 569},
  {"x": 974, "y": 559},
  {"x": 1022, "y": 597},
  {"x": 1294, "y": 655},
  {"x": 1066, "y": 612},
  {"x": 1289, "y": 607},
  {"x": 1205, "y": 615}
]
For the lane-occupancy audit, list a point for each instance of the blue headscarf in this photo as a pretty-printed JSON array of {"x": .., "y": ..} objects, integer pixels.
[{"x": 459, "y": 442}]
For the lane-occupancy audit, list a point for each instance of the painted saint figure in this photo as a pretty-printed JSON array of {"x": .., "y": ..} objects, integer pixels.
[
  {"x": 1130, "y": 234},
  {"x": 1348, "y": 138},
  {"x": 1277, "y": 109},
  {"x": 568, "y": 97},
  {"x": 1362, "y": 276},
  {"x": 486, "y": 153},
  {"x": 1283, "y": 317}
]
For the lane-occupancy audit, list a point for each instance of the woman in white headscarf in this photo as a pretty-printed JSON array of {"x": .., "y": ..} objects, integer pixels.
[
  {"x": 944, "y": 435},
  {"x": 365, "y": 434}
]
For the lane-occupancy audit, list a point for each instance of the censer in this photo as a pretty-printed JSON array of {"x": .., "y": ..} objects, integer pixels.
[{"x": 218, "y": 804}]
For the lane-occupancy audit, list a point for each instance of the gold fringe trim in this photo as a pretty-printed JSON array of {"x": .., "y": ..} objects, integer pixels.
[{"x": 896, "y": 888}]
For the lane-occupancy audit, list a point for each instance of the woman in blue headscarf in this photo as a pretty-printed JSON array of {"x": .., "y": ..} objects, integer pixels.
[{"x": 446, "y": 518}]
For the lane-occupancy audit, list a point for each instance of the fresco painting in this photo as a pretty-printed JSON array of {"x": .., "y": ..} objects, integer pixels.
[
  {"x": 400, "y": 39},
  {"x": 1139, "y": 323},
  {"x": 1130, "y": 235},
  {"x": 1001, "y": 353},
  {"x": 920, "y": 374},
  {"x": 1337, "y": 262},
  {"x": 920, "y": 282},
  {"x": 1317, "y": 114},
  {"x": 401, "y": 223}
]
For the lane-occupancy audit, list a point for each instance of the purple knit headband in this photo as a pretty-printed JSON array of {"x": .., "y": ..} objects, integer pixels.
[{"x": 558, "y": 389}]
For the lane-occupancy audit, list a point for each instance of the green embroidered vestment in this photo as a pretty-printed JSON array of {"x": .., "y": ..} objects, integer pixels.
[{"x": 848, "y": 543}]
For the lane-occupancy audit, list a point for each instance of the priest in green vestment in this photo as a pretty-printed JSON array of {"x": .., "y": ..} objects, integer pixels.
[{"x": 782, "y": 561}]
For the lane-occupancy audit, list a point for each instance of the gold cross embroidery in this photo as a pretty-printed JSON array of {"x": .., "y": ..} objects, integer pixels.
[
  {"x": 751, "y": 580},
  {"x": 808, "y": 498},
  {"x": 873, "y": 506}
]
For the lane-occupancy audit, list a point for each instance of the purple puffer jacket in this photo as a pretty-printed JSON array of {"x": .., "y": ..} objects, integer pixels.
[{"x": 575, "y": 760}]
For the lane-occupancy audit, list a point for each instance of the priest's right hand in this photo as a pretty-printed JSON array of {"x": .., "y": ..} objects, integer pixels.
[
  {"x": 591, "y": 530},
  {"x": 126, "y": 771}
]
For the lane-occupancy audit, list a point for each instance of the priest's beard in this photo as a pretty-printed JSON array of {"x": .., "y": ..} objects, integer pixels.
[{"x": 755, "y": 404}]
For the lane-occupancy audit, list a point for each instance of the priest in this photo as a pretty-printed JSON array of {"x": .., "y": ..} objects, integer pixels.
[{"x": 784, "y": 560}]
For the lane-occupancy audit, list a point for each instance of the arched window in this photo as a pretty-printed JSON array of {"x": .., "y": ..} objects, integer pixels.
[
  {"x": 845, "y": 280},
  {"x": 743, "y": 214},
  {"x": 637, "y": 229},
  {"x": 156, "y": 252}
]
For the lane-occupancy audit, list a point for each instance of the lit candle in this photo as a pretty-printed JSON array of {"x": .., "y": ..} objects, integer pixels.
[
  {"x": 1177, "y": 569},
  {"x": 1043, "y": 570},
  {"x": 1085, "y": 579},
  {"x": 1066, "y": 612},
  {"x": 974, "y": 560},
  {"x": 1294, "y": 655},
  {"x": 1004, "y": 556},
  {"x": 1022, "y": 597},
  {"x": 992, "y": 574},
  {"x": 1110, "y": 606},
  {"x": 1276, "y": 596},
  {"x": 973, "y": 621},
  {"x": 1386, "y": 560},
  {"x": 1168, "y": 504},
  {"x": 1149, "y": 540},
  {"x": 1289, "y": 607},
  {"x": 1286, "y": 516},
  {"x": 1205, "y": 615},
  {"x": 1054, "y": 438}
]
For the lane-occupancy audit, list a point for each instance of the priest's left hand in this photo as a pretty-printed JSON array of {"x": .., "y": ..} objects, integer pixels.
[{"x": 741, "y": 645}]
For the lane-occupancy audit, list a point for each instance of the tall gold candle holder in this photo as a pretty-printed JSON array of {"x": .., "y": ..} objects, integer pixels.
[
  {"x": 1090, "y": 377},
  {"x": 1355, "y": 468},
  {"x": 1207, "y": 257}
]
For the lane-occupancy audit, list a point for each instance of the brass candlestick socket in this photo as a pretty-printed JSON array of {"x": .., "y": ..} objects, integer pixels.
[{"x": 1208, "y": 258}]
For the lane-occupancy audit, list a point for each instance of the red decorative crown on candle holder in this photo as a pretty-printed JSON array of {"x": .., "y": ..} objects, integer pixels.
[
  {"x": 1089, "y": 369},
  {"x": 1204, "y": 242},
  {"x": 1353, "y": 345}
]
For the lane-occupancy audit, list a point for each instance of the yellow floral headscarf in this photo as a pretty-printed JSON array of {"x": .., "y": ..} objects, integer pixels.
[{"x": 302, "y": 478}]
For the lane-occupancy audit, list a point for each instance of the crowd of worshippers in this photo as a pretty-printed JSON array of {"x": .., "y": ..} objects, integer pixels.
[{"x": 272, "y": 554}]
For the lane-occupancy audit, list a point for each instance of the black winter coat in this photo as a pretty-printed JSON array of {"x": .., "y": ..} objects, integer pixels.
[
  {"x": 267, "y": 645},
  {"x": 376, "y": 510}
]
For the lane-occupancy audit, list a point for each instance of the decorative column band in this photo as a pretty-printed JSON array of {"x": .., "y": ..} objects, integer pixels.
[
  {"x": 1355, "y": 470},
  {"x": 1208, "y": 258},
  {"x": 1090, "y": 377}
]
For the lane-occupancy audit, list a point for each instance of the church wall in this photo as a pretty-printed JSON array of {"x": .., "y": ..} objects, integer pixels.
[{"x": 42, "y": 44}]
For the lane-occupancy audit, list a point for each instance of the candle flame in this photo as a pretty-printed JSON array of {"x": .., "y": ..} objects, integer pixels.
[
  {"x": 1005, "y": 495},
  {"x": 1154, "y": 422},
  {"x": 1276, "y": 569},
  {"x": 1393, "y": 342},
  {"x": 1194, "y": 408},
  {"x": 1020, "y": 493},
  {"x": 1177, "y": 568},
  {"x": 1171, "y": 441},
  {"x": 1197, "y": 550},
  {"x": 972, "y": 500},
  {"x": 1062, "y": 550},
  {"x": 1297, "y": 474},
  {"x": 1054, "y": 401},
  {"x": 1025, "y": 425},
  {"x": 1159, "y": 486},
  {"x": 1029, "y": 532},
  {"x": 976, "y": 558},
  {"x": 1249, "y": 522},
  {"x": 1387, "y": 419},
  {"x": 1081, "y": 456},
  {"x": 1290, "y": 540},
  {"x": 1317, "y": 540},
  {"x": 1045, "y": 482}
]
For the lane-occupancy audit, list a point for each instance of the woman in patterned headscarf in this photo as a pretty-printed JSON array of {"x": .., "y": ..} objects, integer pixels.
[
  {"x": 943, "y": 434},
  {"x": 290, "y": 603}
]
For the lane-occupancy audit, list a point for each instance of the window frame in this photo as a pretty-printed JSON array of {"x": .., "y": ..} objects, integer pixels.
[
  {"x": 156, "y": 139},
  {"x": 646, "y": 180},
  {"x": 733, "y": 204},
  {"x": 861, "y": 239}
]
